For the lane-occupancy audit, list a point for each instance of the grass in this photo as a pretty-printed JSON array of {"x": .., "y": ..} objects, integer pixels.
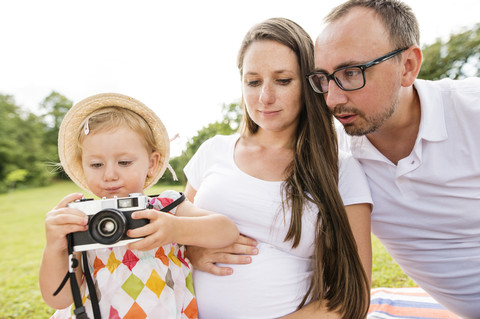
[
  {"x": 22, "y": 214},
  {"x": 385, "y": 272}
]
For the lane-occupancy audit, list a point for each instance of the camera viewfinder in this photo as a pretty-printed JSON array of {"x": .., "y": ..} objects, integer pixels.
[{"x": 127, "y": 202}]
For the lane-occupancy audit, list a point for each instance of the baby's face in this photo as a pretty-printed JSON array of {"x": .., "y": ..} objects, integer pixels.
[{"x": 116, "y": 162}]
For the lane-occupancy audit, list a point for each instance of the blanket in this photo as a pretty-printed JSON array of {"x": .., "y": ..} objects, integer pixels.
[{"x": 411, "y": 303}]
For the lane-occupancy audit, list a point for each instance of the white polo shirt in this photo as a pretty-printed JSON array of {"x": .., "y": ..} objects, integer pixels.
[{"x": 427, "y": 208}]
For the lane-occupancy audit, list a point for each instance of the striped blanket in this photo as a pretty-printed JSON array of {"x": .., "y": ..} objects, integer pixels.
[{"x": 411, "y": 303}]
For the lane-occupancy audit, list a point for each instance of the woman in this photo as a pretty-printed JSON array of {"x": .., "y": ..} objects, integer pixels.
[{"x": 279, "y": 181}]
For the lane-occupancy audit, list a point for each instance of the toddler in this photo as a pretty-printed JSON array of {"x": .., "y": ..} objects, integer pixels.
[{"x": 112, "y": 146}]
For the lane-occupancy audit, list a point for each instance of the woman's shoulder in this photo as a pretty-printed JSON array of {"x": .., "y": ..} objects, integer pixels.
[
  {"x": 219, "y": 144},
  {"x": 222, "y": 139}
]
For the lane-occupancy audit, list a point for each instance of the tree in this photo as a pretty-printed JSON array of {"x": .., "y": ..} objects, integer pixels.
[
  {"x": 457, "y": 58},
  {"x": 232, "y": 115},
  {"x": 9, "y": 120},
  {"x": 18, "y": 175},
  {"x": 21, "y": 146},
  {"x": 54, "y": 107}
]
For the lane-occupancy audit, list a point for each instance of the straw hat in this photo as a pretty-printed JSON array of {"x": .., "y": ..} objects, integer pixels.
[{"x": 70, "y": 128}]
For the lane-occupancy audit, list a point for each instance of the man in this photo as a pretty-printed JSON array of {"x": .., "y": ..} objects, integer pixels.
[{"x": 418, "y": 142}]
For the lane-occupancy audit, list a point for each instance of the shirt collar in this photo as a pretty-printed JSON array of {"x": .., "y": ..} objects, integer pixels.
[{"x": 432, "y": 122}]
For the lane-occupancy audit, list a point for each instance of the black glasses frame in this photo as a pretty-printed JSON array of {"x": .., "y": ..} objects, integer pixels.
[{"x": 362, "y": 67}]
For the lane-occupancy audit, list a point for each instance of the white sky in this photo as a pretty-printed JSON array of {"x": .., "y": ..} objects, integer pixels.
[{"x": 178, "y": 57}]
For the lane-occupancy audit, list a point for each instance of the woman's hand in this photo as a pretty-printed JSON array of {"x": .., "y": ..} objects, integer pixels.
[{"x": 240, "y": 252}]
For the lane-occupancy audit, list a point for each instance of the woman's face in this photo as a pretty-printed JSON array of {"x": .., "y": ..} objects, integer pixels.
[{"x": 271, "y": 86}]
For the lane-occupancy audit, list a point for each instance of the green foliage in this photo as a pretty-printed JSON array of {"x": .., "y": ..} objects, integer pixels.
[
  {"x": 28, "y": 142},
  {"x": 457, "y": 58},
  {"x": 231, "y": 120},
  {"x": 232, "y": 115},
  {"x": 21, "y": 144},
  {"x": 54, "y": 107},
  {"x": 18, "y": 175}
]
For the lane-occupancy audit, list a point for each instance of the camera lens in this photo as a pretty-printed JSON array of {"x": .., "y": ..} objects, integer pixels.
[{"x": 107, "y": 226}]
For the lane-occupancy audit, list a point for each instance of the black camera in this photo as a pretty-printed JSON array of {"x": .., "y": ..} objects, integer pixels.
[{"x": 108, "y": 221}]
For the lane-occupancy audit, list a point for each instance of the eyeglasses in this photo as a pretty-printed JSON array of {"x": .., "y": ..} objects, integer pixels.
[{"x": 348, "y": 78}]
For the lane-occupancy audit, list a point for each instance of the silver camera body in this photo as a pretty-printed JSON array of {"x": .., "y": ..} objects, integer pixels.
[{"x": 108, "y": 221}]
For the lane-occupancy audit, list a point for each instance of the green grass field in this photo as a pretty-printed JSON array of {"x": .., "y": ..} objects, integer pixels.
[{"x": 22, "y": 239}]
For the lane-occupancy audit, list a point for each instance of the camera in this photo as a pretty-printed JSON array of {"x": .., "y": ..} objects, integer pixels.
[{"x": 108, "y": 221}]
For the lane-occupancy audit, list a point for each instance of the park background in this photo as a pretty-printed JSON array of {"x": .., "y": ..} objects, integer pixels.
[{"x": 57, "y": 52}]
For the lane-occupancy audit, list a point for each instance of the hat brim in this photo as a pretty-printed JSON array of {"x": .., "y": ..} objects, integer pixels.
[{"x": 68, "y": 134}]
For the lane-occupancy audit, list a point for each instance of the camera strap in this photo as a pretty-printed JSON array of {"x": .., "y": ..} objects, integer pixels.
[
  {"x": 91, "y": 287},
  {"x": 79, "y": 311},
  {"x": 175, "y": 203}
]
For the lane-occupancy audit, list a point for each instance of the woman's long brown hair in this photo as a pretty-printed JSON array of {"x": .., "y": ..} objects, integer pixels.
[{"x": 338, "y": 275}]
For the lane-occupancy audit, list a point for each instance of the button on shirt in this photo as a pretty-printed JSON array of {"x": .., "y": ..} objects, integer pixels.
[{"x": 427, "y": 208}]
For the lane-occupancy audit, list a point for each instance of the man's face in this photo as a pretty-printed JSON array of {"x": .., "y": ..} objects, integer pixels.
[{"x": 357, "y": 38}]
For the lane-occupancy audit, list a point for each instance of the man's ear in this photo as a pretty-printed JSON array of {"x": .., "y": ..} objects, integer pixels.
[{"x": 412, "y": 61}]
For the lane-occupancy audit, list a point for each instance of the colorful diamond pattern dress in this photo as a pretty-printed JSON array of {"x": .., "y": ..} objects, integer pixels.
[{"x": 140, "y": 284}]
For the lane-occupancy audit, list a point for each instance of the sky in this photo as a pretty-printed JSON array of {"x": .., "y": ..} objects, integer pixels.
[{"x": 177, "y": 57}]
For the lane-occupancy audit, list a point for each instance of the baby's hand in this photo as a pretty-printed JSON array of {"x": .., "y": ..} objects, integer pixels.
[
  {"x": 63, "y": 220},
  {"x": 160, "y": 231}
]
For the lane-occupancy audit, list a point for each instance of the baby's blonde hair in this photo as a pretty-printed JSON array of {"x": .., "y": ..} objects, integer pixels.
[{"x": 109, "y": 119}]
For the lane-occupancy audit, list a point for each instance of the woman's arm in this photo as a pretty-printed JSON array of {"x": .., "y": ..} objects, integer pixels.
[
  {"x": 359, "y": 218},
  {"x": 58, "y": 223}
]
